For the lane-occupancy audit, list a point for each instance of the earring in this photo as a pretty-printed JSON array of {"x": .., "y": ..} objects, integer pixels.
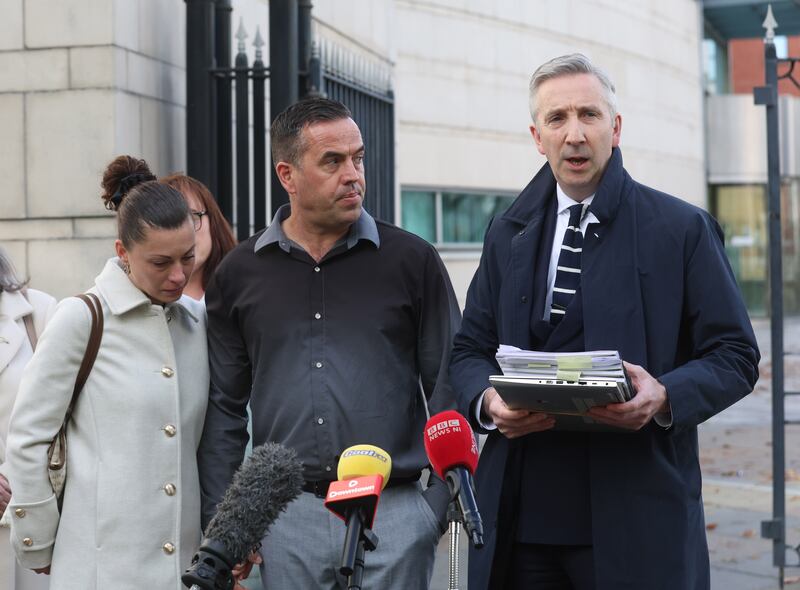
[{"x": 126, "y": 268}]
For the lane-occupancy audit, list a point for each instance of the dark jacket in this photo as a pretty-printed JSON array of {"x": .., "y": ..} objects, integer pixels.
[{"x": 656, "y": 286}]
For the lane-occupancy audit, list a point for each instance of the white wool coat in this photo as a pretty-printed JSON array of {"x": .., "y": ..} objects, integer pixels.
[
  {"x": 15, "y": 348},
  {"x": 131, "y": 513},
  {"x": 15, "y": 352}
]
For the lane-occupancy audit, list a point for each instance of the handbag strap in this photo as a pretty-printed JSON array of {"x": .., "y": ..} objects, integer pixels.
[
  {"x": 28, "y": 321},
  {"x": 89, "y": 356}
]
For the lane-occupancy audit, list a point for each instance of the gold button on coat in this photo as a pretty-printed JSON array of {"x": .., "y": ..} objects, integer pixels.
[
  {"x": 170, "y": 430},
  {"x": 169, "y": 548},
  {"x": 27, "y": 541},
  {"x": 170, "y": 489},
  {"x": 20, "y": 512},
  {"x": 167, "y": 372}
]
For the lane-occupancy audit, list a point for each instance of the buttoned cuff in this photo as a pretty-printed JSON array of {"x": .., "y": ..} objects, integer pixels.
[
  {"x": 482, "y": 420},
  {"x": 33, "y": 531}
]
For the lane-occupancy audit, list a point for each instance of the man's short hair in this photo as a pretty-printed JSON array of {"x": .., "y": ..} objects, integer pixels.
[
  {"x": 569, "y": 65},
  {"x": 286, "y": 131}
]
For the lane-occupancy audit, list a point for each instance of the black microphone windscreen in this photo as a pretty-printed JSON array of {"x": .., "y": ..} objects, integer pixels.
[{"x": 262, "y": 488}]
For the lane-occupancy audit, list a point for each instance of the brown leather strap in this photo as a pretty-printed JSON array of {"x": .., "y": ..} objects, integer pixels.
[
  {"x": 28, "y": 321},
  {"x": 95, "y": 337},
  {"x": 56, "y": 454}
]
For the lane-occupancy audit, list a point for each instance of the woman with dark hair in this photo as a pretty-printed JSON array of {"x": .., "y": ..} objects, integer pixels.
[
  {"x": 131, "y": 503},
  {"x": 23, "y": 315},
  {"x": 214, "y": 236}
]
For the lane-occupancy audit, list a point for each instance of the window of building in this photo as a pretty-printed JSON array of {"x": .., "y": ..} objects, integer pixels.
[
  {"x": 715, "y": 67},
  {"x": 781, "y": 46},
  {"x": 450, "y": 218},
  {"x": 741, "y": 210}
]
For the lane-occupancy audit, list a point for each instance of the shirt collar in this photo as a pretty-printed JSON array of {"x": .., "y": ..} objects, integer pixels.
[
  {"x": 364, "y": 228},
  {"x": 565, "y": 201}
]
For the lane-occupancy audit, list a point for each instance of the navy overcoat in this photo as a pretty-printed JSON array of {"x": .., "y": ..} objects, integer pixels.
[{"x": 656, "y": 286}]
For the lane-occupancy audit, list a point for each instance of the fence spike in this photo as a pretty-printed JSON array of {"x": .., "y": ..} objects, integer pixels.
[
  {"x": 241, "y": 35},
  {"x": 770, "y": 24},
  {"x": 258, "y": 42}
]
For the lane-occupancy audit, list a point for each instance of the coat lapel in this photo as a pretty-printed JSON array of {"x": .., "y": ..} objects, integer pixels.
[
  {"x": 528, "y": 211},
  {"x": 116, "y": 288},
  {"x": 13, "y": 306},
  {"x": 613, "y": 318}
]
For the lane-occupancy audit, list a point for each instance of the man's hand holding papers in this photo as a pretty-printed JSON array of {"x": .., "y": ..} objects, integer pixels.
[
  {"x": 650, "y": 399},
  {"x": 513, "y": 423},
  {"x": 592, "y": 390}
]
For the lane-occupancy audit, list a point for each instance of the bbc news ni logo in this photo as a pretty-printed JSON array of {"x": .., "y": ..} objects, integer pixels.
[{"x": 444, "y": 425}]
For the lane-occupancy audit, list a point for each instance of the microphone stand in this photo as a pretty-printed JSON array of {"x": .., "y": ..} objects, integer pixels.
[
  {"x": 454, "y": 518},
  {"x": 358, "y": 540}
]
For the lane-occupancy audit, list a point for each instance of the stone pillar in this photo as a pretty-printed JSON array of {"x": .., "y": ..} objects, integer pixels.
[{"x": 82, "y": 81}]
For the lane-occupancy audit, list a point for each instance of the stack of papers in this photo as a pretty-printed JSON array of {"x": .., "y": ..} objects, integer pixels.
[{"x": 564, "y": 384}]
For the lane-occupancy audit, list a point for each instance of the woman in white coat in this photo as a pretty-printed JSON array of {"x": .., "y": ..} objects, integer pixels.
[
  {"x": 21, "y": 311},
  {"x": 131, "y": 505}
]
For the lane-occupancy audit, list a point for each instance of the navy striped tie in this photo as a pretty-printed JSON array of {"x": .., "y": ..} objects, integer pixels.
[{"x": 568, "y": 272}]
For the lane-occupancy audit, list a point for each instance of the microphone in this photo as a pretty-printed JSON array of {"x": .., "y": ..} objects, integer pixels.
[
  {"x": 453, "y": 453},
  {"x": 262, "y": 488},
  {"x": 363, "y": 473}
]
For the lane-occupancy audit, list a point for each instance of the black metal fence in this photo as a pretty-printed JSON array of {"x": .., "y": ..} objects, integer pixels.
[
  {"x": 365, "y": 87},
  {"x": 226, "y": 107},
  {"x": 246, "y": 210},
  {"x": 767, "y": 95}
]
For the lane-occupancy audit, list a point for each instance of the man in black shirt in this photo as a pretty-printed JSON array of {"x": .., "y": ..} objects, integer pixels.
[{"x": 329, "y": 324}]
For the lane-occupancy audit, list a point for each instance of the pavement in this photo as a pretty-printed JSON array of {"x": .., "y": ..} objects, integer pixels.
[{"x": 736, "y": 459}]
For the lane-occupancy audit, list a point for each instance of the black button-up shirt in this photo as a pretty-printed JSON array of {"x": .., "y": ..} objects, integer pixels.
[{"x": 328, "y": 354}]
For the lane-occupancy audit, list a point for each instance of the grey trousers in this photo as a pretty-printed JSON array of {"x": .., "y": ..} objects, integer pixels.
[{"x": 303, "y": 550}]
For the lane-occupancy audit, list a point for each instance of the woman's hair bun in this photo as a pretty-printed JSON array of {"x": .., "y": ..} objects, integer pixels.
[{"x": 120, "y": 176}]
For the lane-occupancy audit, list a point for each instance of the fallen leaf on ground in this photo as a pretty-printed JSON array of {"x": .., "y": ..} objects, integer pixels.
[
  {"x": 710, "y": 526},
  {"x": 749, "y": 533},
  {"x": 730, "y": 560}
]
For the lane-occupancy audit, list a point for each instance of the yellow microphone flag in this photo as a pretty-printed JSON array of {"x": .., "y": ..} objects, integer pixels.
[{"x": 360, "y": 460}]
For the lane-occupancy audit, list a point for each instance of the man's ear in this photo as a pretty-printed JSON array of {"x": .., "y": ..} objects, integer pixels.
[
  {"x": 617, "y": 134},
  {"x": 285, "y": 173},
  {"x": 537, "y": 138}
]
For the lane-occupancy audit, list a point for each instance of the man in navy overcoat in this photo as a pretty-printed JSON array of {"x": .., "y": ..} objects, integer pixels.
[{"x": 600, "y": 510}]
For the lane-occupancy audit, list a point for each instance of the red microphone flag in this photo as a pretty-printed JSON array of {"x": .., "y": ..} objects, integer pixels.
[{"x": 449, "y": 443}]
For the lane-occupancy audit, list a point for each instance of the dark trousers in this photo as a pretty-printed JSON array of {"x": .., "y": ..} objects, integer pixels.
[{"x": 551, "y": 567}]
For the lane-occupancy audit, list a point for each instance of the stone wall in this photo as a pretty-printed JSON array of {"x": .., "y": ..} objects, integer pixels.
[{"x": 82, "y": 81}]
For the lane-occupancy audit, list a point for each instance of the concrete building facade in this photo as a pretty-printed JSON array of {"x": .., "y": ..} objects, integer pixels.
[{"x": 84, "y": 80}]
